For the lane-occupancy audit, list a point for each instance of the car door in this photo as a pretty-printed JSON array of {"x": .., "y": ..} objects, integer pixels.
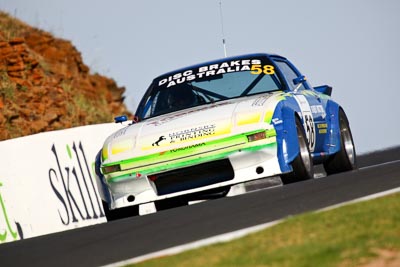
[{"x": 311, "y": 108}]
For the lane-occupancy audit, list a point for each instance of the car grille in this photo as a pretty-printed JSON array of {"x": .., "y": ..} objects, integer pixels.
[{"x": 194, "y": 177}]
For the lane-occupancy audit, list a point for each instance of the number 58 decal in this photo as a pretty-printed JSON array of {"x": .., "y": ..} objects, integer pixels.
[
  {"x": 266, "y": 69},
  {"x": 310, "y": 130},
  {"x": 308, "y": 120}
]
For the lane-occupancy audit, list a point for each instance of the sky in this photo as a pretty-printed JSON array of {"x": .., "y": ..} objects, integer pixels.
[{"x": 351, "y": 45}]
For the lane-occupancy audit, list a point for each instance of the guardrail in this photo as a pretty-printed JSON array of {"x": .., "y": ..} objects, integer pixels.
[{"x": 47, "y": 182}]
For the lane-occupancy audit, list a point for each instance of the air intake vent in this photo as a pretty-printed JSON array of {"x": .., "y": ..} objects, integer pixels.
[{"x": 194, "y": 177}]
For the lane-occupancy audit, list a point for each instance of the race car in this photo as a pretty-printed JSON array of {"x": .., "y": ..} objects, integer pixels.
[{"x": 201, "y": 129}]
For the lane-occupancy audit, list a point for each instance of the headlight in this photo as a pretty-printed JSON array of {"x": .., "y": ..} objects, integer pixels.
[
  {"x": 112, "y": 168},
  {"x": 256, "y": 136}
]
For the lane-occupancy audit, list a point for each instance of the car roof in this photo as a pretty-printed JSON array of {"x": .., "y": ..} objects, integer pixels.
[{"x": 221, "y": 60}]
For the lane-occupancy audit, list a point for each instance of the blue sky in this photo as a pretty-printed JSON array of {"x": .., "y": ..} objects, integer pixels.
[{"x": 350, "y": 45}]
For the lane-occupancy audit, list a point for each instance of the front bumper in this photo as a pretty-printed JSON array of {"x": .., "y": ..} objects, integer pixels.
[{"x": 238, "y": 167}]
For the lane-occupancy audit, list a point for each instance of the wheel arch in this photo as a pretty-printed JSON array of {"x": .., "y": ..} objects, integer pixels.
[
  {"x": 284, "y": 120},
  {"x": 344, "y": 158},
  {"x": 332, "y": 140},
  {"x": 100, "y": 180}
]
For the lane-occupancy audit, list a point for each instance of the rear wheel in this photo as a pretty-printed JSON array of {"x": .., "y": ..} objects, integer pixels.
[
  {"x": 303, "y": 168},
  {"x": 345, "y": 159}
]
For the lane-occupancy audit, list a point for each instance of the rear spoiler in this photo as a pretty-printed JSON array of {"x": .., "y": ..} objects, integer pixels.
[{"x": 324, "y": 89}]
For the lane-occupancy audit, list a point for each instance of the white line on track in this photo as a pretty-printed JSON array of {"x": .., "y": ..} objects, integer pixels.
[
  {"x": 361, "y": 199},
  {"x": 243, "y": 232},
  {"x": 196, "y": 244},
  {"x": 235, "y": 234},
  {"x": 380, "y": 164}
]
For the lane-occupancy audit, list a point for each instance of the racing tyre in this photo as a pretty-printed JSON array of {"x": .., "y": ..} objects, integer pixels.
[
  {"x": 170, "y": 203},
  {"x": 120, "y": 213},
  {"x": 345, "y": 158},
  {"x": 210, "y": 194},
  {"x": 303, "y": 168},
  {"x": 116, "y": 214}
]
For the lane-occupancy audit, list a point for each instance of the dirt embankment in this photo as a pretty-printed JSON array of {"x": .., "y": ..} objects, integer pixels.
[{"x": 45, "y": 85}]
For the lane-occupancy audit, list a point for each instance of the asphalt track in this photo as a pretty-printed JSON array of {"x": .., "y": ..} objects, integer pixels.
[{"x": 131, "y": 237}]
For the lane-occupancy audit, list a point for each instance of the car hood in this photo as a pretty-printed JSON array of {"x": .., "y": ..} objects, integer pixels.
[{"x": 191, "y": 127}]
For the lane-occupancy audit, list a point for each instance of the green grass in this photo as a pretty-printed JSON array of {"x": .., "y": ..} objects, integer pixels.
[
  {"x": 346, "y": 236},
  {"x": 7, "y": 87},
  {"x": 94, "y": 114},
  {"x": 10, "y": 27}
]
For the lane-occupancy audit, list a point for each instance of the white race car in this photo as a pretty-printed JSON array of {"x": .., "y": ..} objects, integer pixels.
[{"x": 201, "y": 129}]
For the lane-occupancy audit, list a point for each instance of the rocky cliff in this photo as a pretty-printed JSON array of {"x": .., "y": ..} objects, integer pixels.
[{"x": 45, "y": 85}]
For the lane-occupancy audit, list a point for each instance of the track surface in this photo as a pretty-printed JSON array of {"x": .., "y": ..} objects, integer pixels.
[{"x": 118, "y": 240}]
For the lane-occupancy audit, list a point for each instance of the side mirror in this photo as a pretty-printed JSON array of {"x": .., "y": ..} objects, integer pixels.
[
  {"x": 120, "y": 119},
  {"x": 324, "y": 89},
  {"x": 299, "y": 80},
  {"x": 135, "y": 119}
]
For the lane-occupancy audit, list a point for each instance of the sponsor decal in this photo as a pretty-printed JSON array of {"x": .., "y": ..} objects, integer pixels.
[
  {"x": 73, "y": 186},
  {"x": 186, "y": 113},
  {"x": 120, "y": 133},
  {"x": 260, "y": 101},
  {"x": 255, "y": 66},
  {"x": 322, "y": 128},
  {"x": 192, "y": 133},
  {"x": 319, "y": 110},
  {"x": 188, "y": 147},
  {"x": 214, "y": 69},
  {"x": 188, "y": 134},
  {"x": 6, "y": 227},
  {"x": 157, "y": 143},
  {"x": 277, "y": 121}
]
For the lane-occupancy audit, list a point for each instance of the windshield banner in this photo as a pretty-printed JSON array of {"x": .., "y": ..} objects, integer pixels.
[{"x": 216, "y": 70}]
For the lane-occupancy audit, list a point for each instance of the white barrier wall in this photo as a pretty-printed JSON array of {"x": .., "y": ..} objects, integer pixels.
[{"x": 47, "y": 182}]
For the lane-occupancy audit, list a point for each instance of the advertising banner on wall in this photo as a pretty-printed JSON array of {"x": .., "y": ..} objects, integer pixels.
[{"x": 47, "y": 182}]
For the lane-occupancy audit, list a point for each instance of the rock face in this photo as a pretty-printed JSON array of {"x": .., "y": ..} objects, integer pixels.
[{"x": 44, "y": 84}]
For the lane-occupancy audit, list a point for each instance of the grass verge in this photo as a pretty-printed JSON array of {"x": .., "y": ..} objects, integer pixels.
[{"x": 348, "y": 236}]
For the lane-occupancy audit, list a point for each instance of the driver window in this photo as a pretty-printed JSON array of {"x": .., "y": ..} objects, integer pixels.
[{"x": 289, "y": 74}]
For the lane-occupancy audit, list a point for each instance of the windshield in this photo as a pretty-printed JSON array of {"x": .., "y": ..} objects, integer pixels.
[{"x": 209, "y": 84}]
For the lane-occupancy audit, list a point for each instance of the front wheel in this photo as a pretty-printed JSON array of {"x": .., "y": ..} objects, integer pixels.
[
  {"x": 170, "y": 203},
  {"x": 120, "y": 213},
  {"x": 303, "y": 167},
  {"x": 345, "y": 158}
]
